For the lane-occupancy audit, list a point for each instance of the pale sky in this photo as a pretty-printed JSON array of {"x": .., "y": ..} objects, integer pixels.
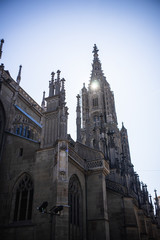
[{"x": 48, "y": 35}]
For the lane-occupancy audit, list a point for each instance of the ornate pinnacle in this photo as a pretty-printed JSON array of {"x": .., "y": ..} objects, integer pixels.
[
  {"x": 52, "y": 76},
  {"x": 44, "y": 95},
  {"x": 63, "y": 80},
  {"x": 155, "y": 193},
  {"x": 2, "y": 41},
  {"x": 43, "y": 100},
  {"x": 95, "y": 49},
  {"x": 96, "y": 63},
  {"x": 19, "y": 75},
  {"x": 58, "y": 74},
  {"x": 150, "y": 199},
  {"x": 62, "y": 92},
  {"x": 2, "y": 67},
  {"x": 78, "y": 100}
]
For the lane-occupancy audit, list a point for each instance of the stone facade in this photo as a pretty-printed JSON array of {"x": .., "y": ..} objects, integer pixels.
[{"x": 52, "y": 187}]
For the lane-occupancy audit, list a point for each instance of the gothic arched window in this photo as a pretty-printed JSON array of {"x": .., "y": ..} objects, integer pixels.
[
  {"x": 75, "y": 210},
  {"x": 23, "y": 199},
  {"x": 95, "y": 102}
]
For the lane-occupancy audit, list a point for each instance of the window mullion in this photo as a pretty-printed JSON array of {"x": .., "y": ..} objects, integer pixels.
[
  {"x": 19, "y": 207},
  {"x": 28, "y": 197}
]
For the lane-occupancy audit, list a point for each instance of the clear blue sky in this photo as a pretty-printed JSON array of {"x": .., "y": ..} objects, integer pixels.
[{"x": 45, "y": 36}]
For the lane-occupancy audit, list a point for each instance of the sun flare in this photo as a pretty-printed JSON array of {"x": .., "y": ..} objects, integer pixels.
[{"x": 95, "y": 85}]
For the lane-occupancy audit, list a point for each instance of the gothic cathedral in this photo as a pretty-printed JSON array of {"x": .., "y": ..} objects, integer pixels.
[{"x": 52, "y": 187}]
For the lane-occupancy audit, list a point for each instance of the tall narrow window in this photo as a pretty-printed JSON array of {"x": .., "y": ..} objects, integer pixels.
[
  {"x": 75, "y": 211},
  {"x": 24, "y": 199},
  {"x": 24, "y": 131},
  {"x": 95, "y": 102},
  {"x": 20, "y": 152},
  {"x": 20, "y": 130}
]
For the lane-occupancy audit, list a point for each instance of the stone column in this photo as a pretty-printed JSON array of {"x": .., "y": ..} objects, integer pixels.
[
  {"x": 60, "y": 223},
  {"x": 97, "y": 215}
]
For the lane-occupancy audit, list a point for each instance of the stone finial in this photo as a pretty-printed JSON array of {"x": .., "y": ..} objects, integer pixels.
[
  {"x": 84, "y": 88},
  {"x": 58, "y": 74},
  {"x": 19, "y": 75},
  {"x": 51, "y": 85},
  {"x": 62, "y": 93},
  {"x": 57, "y": 83},
  {"x": 155, "y": 193},
  {"x": 52, "y": 76},
  {"x": 156, "y": 203},
  {"x": 150, "y": 199},
  {"x": 95, "y": 49},
  {"x": 63, "y": 80},
  {"x": 1, "y": 45},
  {"x": 43, "y": 101},
  {"x": 2, "y": 68},
  {"x": 78, "y": 100}
]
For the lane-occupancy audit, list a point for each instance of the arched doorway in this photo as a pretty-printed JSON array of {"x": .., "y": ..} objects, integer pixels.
[{"x": 75, "y": 210}]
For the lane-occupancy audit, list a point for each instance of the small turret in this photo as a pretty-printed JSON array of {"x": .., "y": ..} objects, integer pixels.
[{"x": 56, "y": 114}]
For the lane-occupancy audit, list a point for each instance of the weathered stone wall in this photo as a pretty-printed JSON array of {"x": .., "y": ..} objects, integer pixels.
[
  {"x": 11, "y": 168},
  {"x": 97, "y": 212}
]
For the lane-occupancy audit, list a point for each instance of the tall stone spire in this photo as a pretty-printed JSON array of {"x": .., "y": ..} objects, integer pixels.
[
  {"x": 19, "y": 75},
  {"x": 97, "y": 104},
  {"x": 78, "y": 120},
  {"x": 1, "y": 45}
]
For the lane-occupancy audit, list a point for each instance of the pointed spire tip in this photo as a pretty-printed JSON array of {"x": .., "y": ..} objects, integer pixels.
[{"x": 95, "y": 49}]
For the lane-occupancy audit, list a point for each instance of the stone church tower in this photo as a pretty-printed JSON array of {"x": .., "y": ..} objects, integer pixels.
[
  {"x": 52, "y": 187},
  {"x": 98, "y": 107},
  {"x": 99, "y": 129}
]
